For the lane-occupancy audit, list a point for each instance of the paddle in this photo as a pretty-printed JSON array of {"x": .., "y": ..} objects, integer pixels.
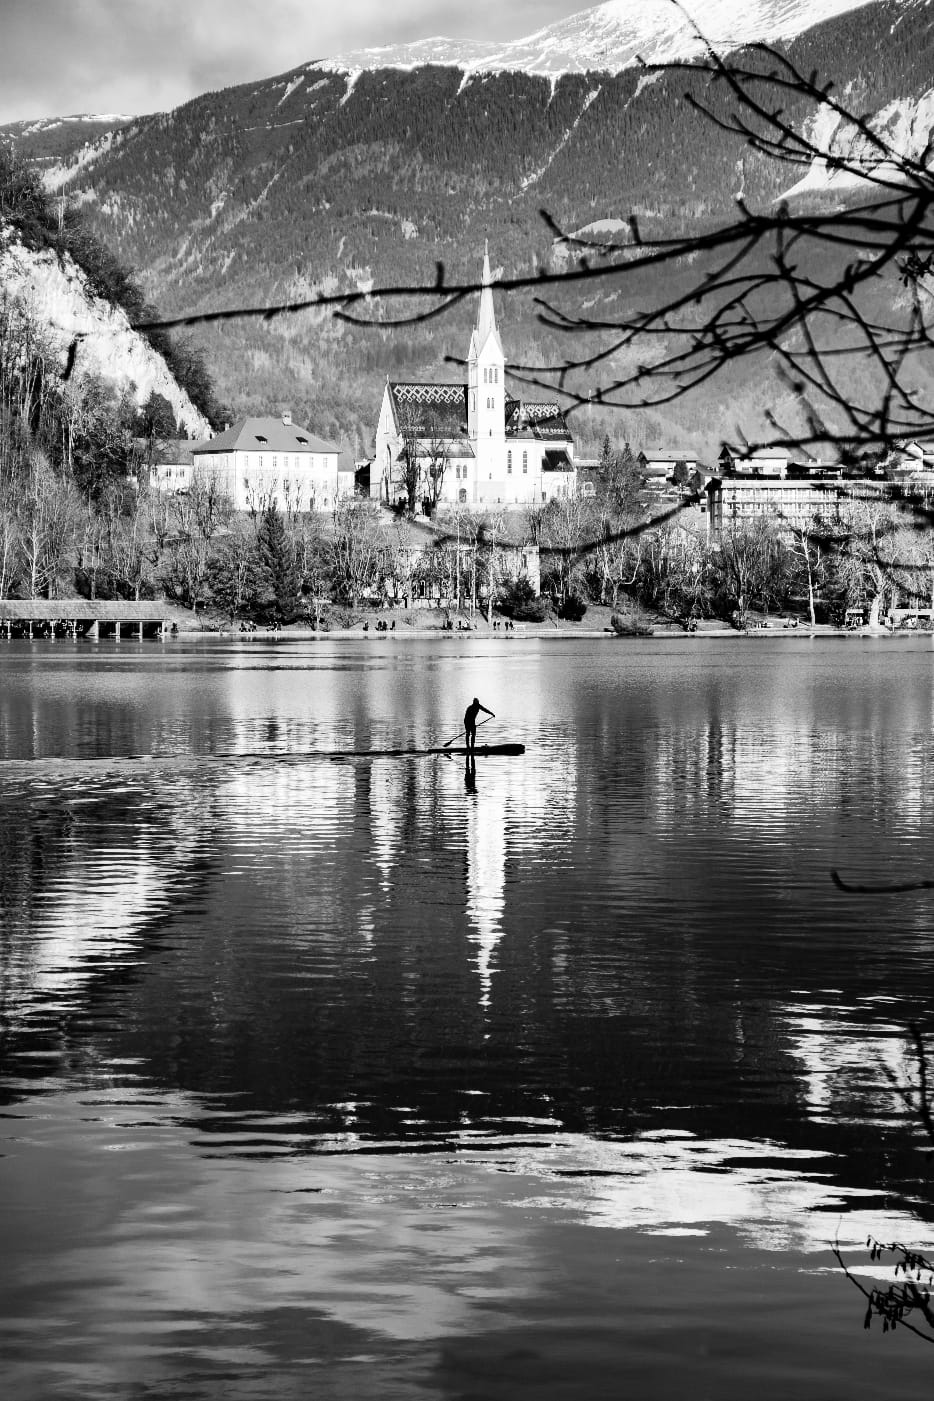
[{"x": 460, "y": 732}]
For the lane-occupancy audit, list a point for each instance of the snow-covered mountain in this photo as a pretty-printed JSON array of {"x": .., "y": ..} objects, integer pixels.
[{"x": 611, "y": 37}]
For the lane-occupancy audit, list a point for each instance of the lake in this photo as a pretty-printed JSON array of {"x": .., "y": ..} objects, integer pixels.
[{"x": 330, "y": 1075}]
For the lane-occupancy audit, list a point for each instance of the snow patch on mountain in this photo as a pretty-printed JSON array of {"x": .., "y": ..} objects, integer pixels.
[
  {"x": 610, "y": 37},
  {"x": 850, "y": 158},
  {"x": 59, "y": 174},
  {"x": 55, "y": 291}
]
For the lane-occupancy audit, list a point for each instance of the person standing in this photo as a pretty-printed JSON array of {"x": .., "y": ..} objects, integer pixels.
[{"x": 470, "y": 721}]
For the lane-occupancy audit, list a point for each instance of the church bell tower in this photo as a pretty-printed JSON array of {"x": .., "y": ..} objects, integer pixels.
[{"x": 486, "y": 389}]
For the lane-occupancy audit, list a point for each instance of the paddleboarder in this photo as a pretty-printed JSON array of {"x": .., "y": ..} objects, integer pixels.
[{"x": 470, "y": 721}]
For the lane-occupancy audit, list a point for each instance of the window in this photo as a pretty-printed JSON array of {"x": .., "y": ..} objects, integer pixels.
[
  {"x": 274, "y": 460},
  {"x": 509, "y": 464},
  {"x": 525, "y": 462},
  {"x": 495, "y": 376}
]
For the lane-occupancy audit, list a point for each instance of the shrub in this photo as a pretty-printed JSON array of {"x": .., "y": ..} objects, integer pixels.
[{"x": 572, "y": 609}]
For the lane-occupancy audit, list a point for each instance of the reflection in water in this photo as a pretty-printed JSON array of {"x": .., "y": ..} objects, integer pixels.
[
  {"x": 354, "y": 1054},
  {"x": 486, "y": 870}
]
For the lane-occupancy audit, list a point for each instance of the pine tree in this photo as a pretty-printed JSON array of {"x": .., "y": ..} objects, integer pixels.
[{"x": 277, "y": 566}]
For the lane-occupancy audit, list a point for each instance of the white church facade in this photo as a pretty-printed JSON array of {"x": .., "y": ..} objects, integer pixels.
[{"x": 475, "y": 444}]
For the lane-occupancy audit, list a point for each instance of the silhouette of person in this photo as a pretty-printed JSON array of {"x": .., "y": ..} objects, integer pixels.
[{"x": 470, "y": 721}]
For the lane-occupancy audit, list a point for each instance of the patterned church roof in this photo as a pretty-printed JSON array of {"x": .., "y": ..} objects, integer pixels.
[{"x": 440, "y": 411}]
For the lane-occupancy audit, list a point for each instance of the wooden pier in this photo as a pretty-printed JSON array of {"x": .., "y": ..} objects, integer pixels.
[{"x": 35, "y": 618}]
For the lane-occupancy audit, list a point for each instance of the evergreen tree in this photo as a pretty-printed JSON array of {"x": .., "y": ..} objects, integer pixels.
[{"x": 278, "y": 569}]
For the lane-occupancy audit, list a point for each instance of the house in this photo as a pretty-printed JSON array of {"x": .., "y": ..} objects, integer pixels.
[
  {"x": 172, "y": 468},
  {"x": 658, "y": 468},
  {"x": 472, "y": 443},
  {"x": 263, "y": 459},
  {"x": 763, "y": 462},
  {"x": 790, "y": 502},
  {"x": 911, "y": 465}
]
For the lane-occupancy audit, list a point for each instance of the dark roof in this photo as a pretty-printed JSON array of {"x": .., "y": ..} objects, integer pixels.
[
  {"x": 540, "y": 421},
  {"x": 265, "y": 435},
  {"x": 440, "y": 410},
  {"x": 675, "y": 455},
  {"x": 556, "y": 460},
  {"x": 431, "y": 410},
  {"x": 428, "y": 447}
]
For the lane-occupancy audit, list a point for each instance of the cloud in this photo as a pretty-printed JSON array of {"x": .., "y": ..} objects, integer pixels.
[{"x": 64, "y": 56}]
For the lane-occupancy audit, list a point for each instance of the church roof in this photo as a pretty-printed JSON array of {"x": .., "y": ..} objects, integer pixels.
[
  {"x": 430, "y": 410},
  {"x": 535, "y": 420},
  {"x": 439, "y": 410},
  {"x": 427, "y": 447}
]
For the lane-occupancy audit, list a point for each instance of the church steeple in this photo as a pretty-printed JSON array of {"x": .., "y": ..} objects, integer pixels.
[
  {"x": 486, "y": 381},
  {"x": 486, "y": 313}
]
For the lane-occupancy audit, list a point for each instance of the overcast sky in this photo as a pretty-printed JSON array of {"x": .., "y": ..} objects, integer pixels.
[{"x": 132, "y": 56}]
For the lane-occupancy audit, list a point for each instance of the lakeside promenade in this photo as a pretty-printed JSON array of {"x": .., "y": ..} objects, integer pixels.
[{"x": 82, "y": 619}]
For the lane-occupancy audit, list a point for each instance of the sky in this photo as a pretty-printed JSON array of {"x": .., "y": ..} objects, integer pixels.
[{"x": 59, "y": 57}]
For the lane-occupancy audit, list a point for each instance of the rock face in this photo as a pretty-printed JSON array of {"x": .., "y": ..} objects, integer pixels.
[{"x": 96, "y": 334}]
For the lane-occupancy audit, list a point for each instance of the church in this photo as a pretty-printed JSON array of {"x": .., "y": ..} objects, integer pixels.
[{"x": 474, "y": 443}]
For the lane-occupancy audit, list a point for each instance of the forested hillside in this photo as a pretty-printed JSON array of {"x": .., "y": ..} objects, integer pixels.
[{"x": 280, "y": 188}]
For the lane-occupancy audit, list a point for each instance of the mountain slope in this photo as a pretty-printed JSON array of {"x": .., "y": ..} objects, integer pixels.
[
  {"x": 331, "y": 180},
  {"x": 611, "y": 37}
]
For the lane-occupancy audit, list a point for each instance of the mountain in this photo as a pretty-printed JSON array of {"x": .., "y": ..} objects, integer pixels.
[
  {"x": 610, "y": 37},
  {"x": 47, "y": 141},
  {"x": 365, "y": 170}
]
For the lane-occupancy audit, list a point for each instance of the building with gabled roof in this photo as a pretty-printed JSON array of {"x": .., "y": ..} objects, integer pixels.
[
  {"x": 263, "y": 459},
  {"x": 474, "y": 443}
]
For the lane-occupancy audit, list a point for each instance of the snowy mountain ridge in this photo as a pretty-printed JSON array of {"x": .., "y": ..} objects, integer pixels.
[{"x": 611, "y": 37}]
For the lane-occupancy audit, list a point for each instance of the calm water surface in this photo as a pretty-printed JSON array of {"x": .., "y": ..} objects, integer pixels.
[{"x": 370, "y": 1077}]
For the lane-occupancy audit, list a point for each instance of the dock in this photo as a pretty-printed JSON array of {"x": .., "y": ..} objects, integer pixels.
[{"x": 81, "y": 617}]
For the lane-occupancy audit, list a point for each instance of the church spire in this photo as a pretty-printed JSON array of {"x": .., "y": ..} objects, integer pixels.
[
  {"x": 485, "y": 329},
  {"x": 486, "y": 316}
]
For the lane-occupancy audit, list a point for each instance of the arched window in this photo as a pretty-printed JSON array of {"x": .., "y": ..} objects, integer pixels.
[{"x": 462, "y": 496}]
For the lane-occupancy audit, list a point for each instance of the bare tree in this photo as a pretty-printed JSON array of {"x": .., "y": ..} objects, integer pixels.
[{"x": 357, "y": 549}]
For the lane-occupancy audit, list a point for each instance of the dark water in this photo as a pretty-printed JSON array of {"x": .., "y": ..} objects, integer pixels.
[{"x": 346, "y": 1077}]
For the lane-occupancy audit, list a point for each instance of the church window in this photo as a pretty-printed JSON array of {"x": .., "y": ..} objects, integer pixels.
[
  {"x": 525, "y": 462},
  {"x": 509, "y": 463},
  {"x": 495, "y": 375}
]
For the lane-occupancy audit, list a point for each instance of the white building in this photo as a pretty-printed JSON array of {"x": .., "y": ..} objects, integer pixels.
[
  {"x": 261, "y": 459},
  {"x": 483, "y": 446}
]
